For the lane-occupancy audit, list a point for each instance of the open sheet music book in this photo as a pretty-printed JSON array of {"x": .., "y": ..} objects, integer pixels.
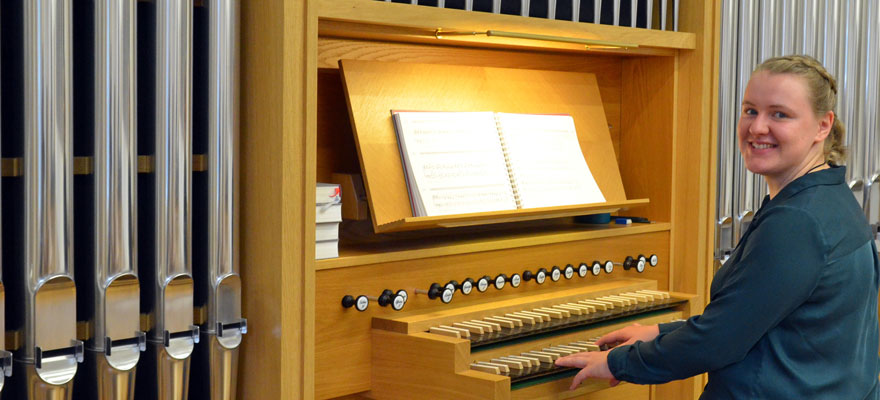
[{"x": 466, "y": 162}]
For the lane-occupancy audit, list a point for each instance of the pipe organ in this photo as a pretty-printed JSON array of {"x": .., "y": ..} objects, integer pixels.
[
  {"x": 120, "y": 199},
  {"x": 463, "y": 306}
]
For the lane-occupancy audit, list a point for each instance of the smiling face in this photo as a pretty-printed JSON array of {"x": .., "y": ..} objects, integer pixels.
[{"x": 780, "y": 136}]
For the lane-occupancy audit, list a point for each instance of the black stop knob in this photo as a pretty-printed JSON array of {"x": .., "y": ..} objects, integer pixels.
[
  {"x": 628, "y": 263},
  {"x": 348, "y": 301},
  {"x": 385, "y": 298},
  {"x": 528, "y": 275},
  {"x": 435, "y": 291}
]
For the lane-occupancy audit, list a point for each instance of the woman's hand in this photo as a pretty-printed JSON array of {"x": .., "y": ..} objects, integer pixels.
[
  {"x": 629, "y": 335},
  {"x": 593, "y": 364}
]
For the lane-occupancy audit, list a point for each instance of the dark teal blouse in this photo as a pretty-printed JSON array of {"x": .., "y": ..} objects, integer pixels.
[{"x": 792, "y": 313}]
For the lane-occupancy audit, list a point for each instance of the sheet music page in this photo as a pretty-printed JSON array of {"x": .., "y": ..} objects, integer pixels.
[
  {"x": 454, "y": 162},
  {"x": 544, "y": 155}
]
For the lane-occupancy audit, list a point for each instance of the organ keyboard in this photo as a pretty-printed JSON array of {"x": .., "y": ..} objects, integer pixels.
[{"x": 506, "y": 348}]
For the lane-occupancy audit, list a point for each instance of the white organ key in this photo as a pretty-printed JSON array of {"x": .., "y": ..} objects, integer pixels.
[
  {"x": 557, "y": 350},
  {"x": 501, "y": 367},
  {"x": 552, "y": 313},
  {"x": 533, "y": 361},
  {"x": 616, "y": 300},
  {"x": 573, "y": 310},
  {"x": 566, "y": 313},
  {"x": 464, "y": 332},
  {"x": 495, "y": 326},
  {"x": 543, "y": 316},
  {"x": 553, "y": 356},
  {"x": 509, "y": 363},
  {"x": 663, "y": 295},
  {"x": 473, "y": 328},
  {"x": 648, "y": 296},
  {"x": 543, "y": 357},
  {"x": 591, "y": 346},
  {"x": 445, "y": 332},
  {"x": 580, "y": 347},
  {"x": 526, "y": 319},
  {"x": 505, "y": 322},
  {"x": 571, "y": 348},
  {"x": 486, "y": 368},
  {"x": 587, "y": 308},
  {"x": 642, "y": 298},
  {"x": 486, "y": 327},
  {"x": 600, "y": 305}
]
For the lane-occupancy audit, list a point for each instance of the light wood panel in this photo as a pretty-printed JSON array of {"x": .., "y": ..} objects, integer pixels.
[
  {"x": 291, "y": 137},
  {"x": 424, "y": 365},
  {"x": 431, "y": 87},
  {"x": 336, "y": 149},
  {"x": 277, "y": 176},
  {"x": 420, "y": 23},
  {"x": 434, "y": 244},
  {"x": 647, "y": 133},
  {"x": 344, "y": 334}
]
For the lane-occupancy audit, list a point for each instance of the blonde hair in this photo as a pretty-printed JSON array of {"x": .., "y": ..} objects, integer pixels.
[{"x": 823, "y": 96}]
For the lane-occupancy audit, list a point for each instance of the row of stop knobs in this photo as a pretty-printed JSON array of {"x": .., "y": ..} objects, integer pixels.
[{"x": 445, "y": 292}]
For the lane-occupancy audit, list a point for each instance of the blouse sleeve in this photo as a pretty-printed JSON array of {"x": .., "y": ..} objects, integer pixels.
[{"x": 781, "y": 262}]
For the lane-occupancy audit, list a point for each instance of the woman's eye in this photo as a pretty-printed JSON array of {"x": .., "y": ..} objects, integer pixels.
[
  {"x": 780, "y": 114},
  {"x": 750, "y": 111}
]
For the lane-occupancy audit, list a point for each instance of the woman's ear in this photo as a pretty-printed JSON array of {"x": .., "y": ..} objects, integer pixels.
[{"x": 825, "y": 125}]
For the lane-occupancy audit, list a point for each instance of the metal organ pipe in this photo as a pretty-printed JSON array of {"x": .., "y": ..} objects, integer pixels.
[
  {"x": 108, "y": 279},
  {"x": 164, "y": 203},
  {"x": 5, "y": 356},
  {"x": 217, "y": 276},
  {"x": 39, "y": 271}
]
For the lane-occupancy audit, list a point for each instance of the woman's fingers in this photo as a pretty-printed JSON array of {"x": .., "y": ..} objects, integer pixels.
[
  {"x": 577, "y": 360},
  {"x": 583, "y": 374}
]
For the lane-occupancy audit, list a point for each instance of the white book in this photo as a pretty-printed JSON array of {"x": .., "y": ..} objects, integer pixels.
[
  {"x": 326, "y": 231},
  {"x": 547, "y": 167},
  {"x": 464, "y": 162},
  {"x": 326, "y": 249},
  {"x": 453, "y": 163},
  {"x": 327, "y": 193},
  {"x": 328, "y": 212},
  {"x": 328, "y": 203}
]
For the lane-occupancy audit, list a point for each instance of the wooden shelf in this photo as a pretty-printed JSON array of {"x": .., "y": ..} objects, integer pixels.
[
  {"x": 367, "y": 19},
  {"x": 355, "y": 254},
  {"x": 498, "y": 217}
]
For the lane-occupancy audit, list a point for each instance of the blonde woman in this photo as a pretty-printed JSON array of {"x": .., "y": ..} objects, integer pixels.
[{"x": 793, "y": 312}]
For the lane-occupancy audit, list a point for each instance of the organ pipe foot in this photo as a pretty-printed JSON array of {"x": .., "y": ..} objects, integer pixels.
[
  {"x": 54, "y": 381},
  {"x": 164, "y": 374},
  {"x": 216, "y": 357}
]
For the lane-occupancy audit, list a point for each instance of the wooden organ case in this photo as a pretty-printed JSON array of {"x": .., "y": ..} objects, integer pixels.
[{"x": 299, "y": 128}]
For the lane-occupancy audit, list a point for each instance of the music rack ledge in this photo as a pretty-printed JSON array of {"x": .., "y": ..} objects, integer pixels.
[{"x": 498, "y": 217}]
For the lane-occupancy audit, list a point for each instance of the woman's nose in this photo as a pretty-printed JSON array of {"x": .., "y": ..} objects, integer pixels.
[{"x": 759, "y": 125}]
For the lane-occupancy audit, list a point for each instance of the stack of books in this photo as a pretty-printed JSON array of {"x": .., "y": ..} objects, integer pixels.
[{"x": 328, "y": 215}]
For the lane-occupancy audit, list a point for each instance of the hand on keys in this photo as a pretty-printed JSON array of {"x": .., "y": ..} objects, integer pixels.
[{"x": 595, "y": 364}]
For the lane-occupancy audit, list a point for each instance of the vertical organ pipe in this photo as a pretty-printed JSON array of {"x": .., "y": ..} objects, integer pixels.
[
  {"x": 728, "y": 111},
  {"x": 167, "y": 286},
  {"x": 870, "y": 113},
  {"x": 746, "y": 60},
  {"x": 115, "y": 339},
  {"x": 850, "y": 83},
  {"x": 219, "y": 282},
  {"x": 5, "y": 356},
  {"x": 45, "y": 300}
]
